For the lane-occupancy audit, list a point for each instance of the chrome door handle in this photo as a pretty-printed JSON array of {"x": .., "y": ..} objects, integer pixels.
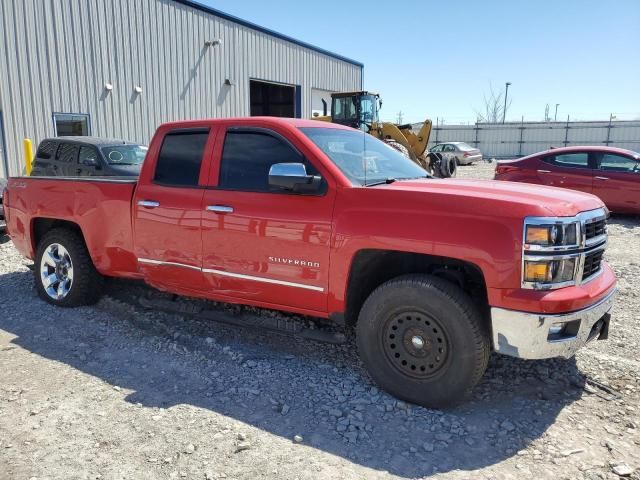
[
  {"x": 602, "y": 178},
  {"x": 220, "y": 208},
  {"x": 148, "y": 203},
  {"x": 544, "y": 171}
]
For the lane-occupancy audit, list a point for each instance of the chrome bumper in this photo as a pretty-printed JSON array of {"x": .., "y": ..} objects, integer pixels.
[{"x": 536, "y": 336}]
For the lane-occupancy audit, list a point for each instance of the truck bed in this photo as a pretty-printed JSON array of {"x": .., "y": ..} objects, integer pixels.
[{"x": 99, "y": 206}]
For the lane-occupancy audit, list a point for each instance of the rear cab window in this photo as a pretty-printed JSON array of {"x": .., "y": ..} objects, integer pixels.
[{"x": 180, "y": 158}]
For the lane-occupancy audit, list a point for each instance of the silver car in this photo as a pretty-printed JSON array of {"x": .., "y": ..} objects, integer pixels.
[{"x": 463, "y": 153}]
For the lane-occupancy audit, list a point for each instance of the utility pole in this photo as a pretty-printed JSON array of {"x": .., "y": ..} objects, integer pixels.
[
  {"x": 506, "y": 93},
  {"x": 555, "y": 117},
  {"x": 400, "y": 117},
  {"x": 611, "y": 117},
  {"x": 546, "y": 113}
]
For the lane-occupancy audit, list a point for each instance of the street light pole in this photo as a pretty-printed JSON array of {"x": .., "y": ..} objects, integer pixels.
[
  {"x": 506, "y": 92},
  {"x": 555, "y": 117}
]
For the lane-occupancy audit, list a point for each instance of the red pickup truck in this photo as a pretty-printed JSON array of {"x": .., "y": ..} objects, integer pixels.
[{"x": 327, "y": 221}]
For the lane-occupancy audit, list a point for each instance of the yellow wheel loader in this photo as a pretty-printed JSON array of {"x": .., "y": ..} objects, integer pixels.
[{"x": 361, "y": 110}]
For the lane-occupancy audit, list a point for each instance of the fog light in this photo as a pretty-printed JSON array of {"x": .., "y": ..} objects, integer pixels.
[
  {"x": 555, "y": 329},
  {"x": 564, "y": 331}
]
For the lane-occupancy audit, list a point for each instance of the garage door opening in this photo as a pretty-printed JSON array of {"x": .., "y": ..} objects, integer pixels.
[{"x": 273, "y": 99}]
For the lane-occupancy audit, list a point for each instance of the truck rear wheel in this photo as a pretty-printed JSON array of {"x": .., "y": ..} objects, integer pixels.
[
  {"x": 64, "y": 272},
  {"x": 422, "y": 340}
]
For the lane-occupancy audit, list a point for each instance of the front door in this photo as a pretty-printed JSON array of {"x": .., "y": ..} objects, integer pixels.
[
  {"x": 617, "y": 182},
  {"x": 167, "y": 211},
  {"x": 260, "y": 245},
  {"x": 567, "y": 170}
]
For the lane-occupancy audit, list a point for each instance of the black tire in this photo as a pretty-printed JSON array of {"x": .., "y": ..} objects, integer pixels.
[
  {"x": 448, "y": 167},
  {"x": 449, "y": 324},
  {"x": 86, "y": 285}
]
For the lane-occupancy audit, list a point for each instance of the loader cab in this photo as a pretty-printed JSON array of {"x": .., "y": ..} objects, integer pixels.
[{"x": 355, "y": 109}]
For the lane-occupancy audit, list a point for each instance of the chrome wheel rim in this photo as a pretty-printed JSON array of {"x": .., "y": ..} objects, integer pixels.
[{"x": 56, "y": 271}]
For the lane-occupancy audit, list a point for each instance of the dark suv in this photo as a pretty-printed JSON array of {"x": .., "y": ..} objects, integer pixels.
[{"x": 87, "y": 156}]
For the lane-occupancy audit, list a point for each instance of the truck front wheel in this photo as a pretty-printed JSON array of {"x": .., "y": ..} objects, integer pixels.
[
  {"x": 422, "y": 340},
  {"x": 64, "y": 272}
]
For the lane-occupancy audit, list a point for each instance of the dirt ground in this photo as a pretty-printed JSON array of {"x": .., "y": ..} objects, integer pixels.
[{"x": 118, "y": 391}]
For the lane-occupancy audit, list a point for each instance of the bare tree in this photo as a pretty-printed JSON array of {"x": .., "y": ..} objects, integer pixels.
[{"x": 494, "y": 108}]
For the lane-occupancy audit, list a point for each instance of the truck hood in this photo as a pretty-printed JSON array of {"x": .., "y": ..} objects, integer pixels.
[{"x": 554, "y": 201}]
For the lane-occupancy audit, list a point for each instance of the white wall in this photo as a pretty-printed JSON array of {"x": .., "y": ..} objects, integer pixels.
[
  {"x": 317, "y": 95},
  {"x": 519, "y": 139}
]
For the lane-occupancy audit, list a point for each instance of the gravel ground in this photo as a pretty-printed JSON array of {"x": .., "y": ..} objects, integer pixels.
[{"x": 118, "y": 391}]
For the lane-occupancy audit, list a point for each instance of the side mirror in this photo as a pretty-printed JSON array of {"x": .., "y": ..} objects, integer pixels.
[
  {"x": 90, "y": 162},
  {"x": 293, "y": 176}
]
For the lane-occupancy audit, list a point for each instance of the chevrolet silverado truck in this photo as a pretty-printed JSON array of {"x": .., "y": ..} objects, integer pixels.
[{"x": 327, "y": 221}]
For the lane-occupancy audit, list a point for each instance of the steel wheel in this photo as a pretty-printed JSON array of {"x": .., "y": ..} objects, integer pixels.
[
  {"x": 415, "y": 344},
  {"x": 56, "y": 271}
]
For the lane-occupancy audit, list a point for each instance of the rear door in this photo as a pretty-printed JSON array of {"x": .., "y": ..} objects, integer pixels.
[
  {"x": 567, "y": 170},
  {"x": 617, "y": 182},
  {"x": 260, "y": 245},
  {"x": 167, "y": 209}
]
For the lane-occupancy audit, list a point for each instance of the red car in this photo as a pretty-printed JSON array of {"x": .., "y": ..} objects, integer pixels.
[{"x": 613, "y": 174}]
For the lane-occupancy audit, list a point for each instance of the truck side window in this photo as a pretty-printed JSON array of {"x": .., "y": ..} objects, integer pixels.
[
  {"x": 88, "y": 156},
  {"x": 46, "y": 150},
  {"x": 180, "y": 158},
  {"x": 248, "y": 156},
  {"x": 67, "y": 153}
]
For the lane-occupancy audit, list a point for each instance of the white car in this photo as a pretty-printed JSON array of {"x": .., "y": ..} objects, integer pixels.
[{"x": 463, "y": 153}]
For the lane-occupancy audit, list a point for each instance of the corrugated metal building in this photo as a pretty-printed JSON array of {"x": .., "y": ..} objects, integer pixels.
[{"x": 118, "y": 68}]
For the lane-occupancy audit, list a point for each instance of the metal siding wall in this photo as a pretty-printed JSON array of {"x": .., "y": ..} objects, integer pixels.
[
  {"x": 156, "y": 44},
  {"x": 504, "y": 140}
]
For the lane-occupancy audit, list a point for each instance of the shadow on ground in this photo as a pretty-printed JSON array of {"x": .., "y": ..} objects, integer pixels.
[{"x": 205, "y": 364}]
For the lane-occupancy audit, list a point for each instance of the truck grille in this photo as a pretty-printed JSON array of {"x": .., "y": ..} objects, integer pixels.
[
  {"x": 592, "y": 262},
  {"x": 595, "y": 229}
]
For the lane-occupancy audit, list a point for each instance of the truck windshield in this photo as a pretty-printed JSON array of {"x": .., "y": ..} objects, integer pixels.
[
  {"x": 362, "y": 158},
  {"x": 124, "y": 154}
]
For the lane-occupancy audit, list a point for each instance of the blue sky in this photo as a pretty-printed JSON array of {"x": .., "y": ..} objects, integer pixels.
[{"x": 437, "y": 59}]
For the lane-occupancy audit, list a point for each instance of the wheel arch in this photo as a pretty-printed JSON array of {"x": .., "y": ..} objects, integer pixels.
[
  {"x": 41, "y": 225},
  {"x": 370, "y": 268}
]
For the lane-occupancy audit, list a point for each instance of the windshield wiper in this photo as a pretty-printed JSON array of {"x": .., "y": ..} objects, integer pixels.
[{"x": 380, "y": 182}]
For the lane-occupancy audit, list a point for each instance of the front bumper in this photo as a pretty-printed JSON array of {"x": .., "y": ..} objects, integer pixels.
[{"x": 537, "y": 336}]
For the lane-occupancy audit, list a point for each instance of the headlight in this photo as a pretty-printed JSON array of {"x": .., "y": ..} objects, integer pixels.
[
  {"x": 549, "y": 271},
  {"x": 556, "y": 235}
]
